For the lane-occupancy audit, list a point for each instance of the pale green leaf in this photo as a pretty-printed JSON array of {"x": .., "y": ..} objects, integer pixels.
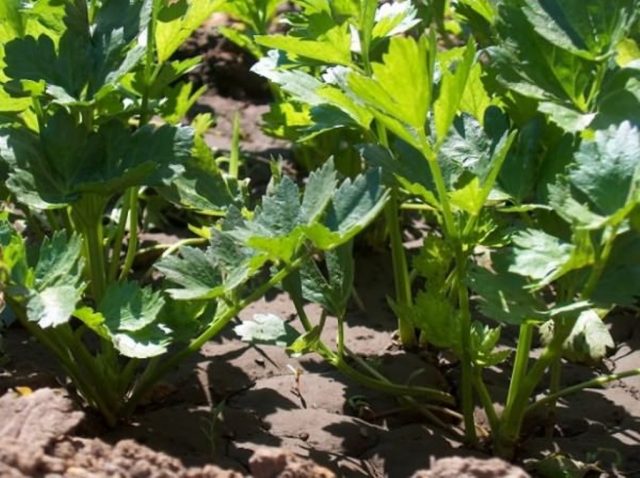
[
  {"x": 400, "y": 87},
  {"x": 178, "y": 20},
  {"x": 53, "y": 305},
  {"x": 452, "y": 88},
  {"x": 266, "y": 329},
  {"x": 332, "y": 47}
]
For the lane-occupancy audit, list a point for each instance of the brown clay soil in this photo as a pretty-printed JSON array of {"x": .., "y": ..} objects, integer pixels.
[{"x": 235, "y": 409}]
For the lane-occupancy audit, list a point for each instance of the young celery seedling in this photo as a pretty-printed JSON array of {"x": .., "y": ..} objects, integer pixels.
[
  {"x": 358, "y": 31},
  {"x": 75, "y": 139}
]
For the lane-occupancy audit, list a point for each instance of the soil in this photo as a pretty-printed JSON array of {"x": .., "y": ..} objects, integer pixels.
[{"x": 235, "y": 409}]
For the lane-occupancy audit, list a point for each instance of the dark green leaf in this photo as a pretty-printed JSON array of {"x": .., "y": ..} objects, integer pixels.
[
  {"x": 607, "y": 169},
  {"x": 127, "y": 307},
  {"x": 195, "y": 271}
]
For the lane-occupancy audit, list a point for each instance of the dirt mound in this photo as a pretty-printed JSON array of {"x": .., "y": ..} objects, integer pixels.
[
  {"x": 35, "y": 441},
  {"x": 460, "y": 467},
  {"x": 279, "y": 463}
]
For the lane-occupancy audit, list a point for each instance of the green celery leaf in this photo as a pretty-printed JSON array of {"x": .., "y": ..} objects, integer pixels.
[
  {"x": 224, "y": 266},
  {"x": 354, "y": 205},
  {"x": 35, "y": 59},
  {"x": 302, "y": 86},
  {"x": 178, "y": 20},
  {"x": 334, "y": 290},
  {"x": 607, "y": 169},
  {"x": 59, "y": 261},
  {"x": 400, "y": 87},
  {"x": 202, "y": 187},
  {"x": 434, "y": 260},
  {"x": 571, "y": 210},
  {"x": 475, "y": 98},
  {"x": 589, "y": 339},
  {"x": 14, "y": 265},
  {"x": 538, "y": 255},
  {"x": 433, "y": 313},
  {"x": 195, "y": 271},
  {"x": 266, "y": 329},
  {"x": 341, "y": 101},
  {"x": 54, "y": 168},
  {"x": 590, "y": 28},
  {"x": 324, "y": 41},
  {"x": 527, "y": 63},
  {"x": 56, "y": 285},
  {"x": 87, "y": 61},
  {"x": 53, "y": 305},
  {"x": 546, "y": 258},
  {"x": 394, "y": 19},
  {"x": 92, "y": 319},
  {"x": 484, "y": 340},
  {"x": 569, "y": 119},
  {"x": 452, "y": 88},
  {"x": 178, "y": 101},
  {"x": 318, "y": 192},
  {"x": 468, "y": 198},
  {"x": 145, "y": 343},
  {"x": 241, "y": 39},
  {"x": 127, "y": 307},
  {"x": 130, "y": 316},
  {"x": 279, "y": 213},
  {"x": 505, "y": 297},
  {"x": 468, "y": 148}
]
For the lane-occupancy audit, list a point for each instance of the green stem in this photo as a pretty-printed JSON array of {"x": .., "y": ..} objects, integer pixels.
[
  {"x": 596, "y": 272},
  {"x": 118, "y": 240},
  {"x": 593, "y": 383},
  {"x": 214, "y": 329},
  {"x": 132, "y": 247},
  {"x": 234, "y": 156},
  {"x": 596, "y": 87},
  {"x": 466, "y": 359},
  {"x": 425, "y": 409},
  {"x": 341, "y": 341},
  {"x": 87, "y": 214},
  {"x": 417, "y": 207},
  {"x": 514, "y": 414},
  {"x": 401, "y": 277},
  {"x": 402, "y": 280},
  {"x": 100, "y": 385},
  {"x": 434, "y": 395},
  {"x": 441, "y": 189},
  {"x": 523, "y": 350},
  {"x": 452, "y": 234},
  {"x": 66, "y": 352},
  {"x": 145, "y": 114},
  {"x": 382, "y": 385}
]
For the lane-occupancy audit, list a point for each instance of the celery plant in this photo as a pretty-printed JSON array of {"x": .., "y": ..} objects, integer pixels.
[
  {"x": 439, "y": 128},
  {"x": 91, "y": 106},
  {"x": 317, "y": 106}
]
